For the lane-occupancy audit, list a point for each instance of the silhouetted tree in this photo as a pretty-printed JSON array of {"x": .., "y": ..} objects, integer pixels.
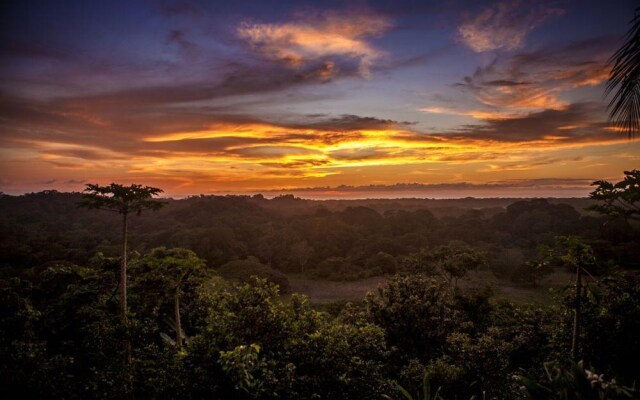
[
  {"x": 572, "y": 252},
  {"x": 621, "y": 199},
  {"x": 124, "y": 200},
  {"x": 454, "y": 260}
]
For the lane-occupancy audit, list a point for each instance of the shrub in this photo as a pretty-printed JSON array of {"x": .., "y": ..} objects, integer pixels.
[{"x": 382, "y": 261}]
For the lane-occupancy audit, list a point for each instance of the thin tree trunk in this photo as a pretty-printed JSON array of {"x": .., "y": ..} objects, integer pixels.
[
  {"x": 576, "y": 314},
  {"x": 123, "y": 273},
  {"x": 123, "y": 293},
  {"x": 178, "y": 325}
]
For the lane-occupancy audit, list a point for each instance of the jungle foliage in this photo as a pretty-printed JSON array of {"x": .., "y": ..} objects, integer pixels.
[{"x": 207, "y": 317}]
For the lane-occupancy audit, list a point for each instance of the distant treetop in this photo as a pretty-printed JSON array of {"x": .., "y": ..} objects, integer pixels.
[{"x": 120, "y": 198}]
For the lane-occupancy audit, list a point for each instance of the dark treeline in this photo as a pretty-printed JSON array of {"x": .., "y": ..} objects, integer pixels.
[
  {"x": 294, "y": 235},
  {"x": 201, "y": 325}
]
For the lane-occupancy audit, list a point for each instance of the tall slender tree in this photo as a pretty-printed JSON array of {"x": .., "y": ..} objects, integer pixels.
[
  {"x": 577, "y": 255},
  {"x": 624, "y": 81},
  {"x": 169, "y": 273},
  {"x": 124, "y": 200}
]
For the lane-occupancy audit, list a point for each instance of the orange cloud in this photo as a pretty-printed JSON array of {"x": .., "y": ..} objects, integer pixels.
[
  {"x": 522, "y": 98},
  {"x": 331, "y": 35},
  {"x": 477, "y": 114},
  {"x": 266, "y": 149},
  {"x": 347, "y": 149}
]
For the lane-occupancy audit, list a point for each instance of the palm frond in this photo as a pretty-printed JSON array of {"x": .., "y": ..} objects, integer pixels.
[{"x": 624, "y": 82}]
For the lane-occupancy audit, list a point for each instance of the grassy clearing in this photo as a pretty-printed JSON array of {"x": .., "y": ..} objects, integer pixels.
[
  {"x": 518, "y": 293},
  {"x": 323, "y": 291}
]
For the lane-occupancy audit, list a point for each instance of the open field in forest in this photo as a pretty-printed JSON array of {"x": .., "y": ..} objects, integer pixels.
[{"x": 324, "y": 291}]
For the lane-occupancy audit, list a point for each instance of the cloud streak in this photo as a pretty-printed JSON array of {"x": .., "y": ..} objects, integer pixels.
[
  {"x": 504, "y": 25},
  {"x": 235, "y": 150}
]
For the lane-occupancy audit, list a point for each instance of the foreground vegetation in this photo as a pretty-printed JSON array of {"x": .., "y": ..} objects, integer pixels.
[{"x": 60, "y": 337}]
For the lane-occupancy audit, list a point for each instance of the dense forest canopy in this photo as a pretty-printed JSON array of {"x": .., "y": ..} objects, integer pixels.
[
  {"x": 286, "y": 232},
  {"x": 211, "y": 314}
]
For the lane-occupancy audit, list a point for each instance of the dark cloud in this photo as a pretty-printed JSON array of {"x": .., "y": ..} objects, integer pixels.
[
  {"x": 578, "y": 122},
  {"x": 299, "y": 164},
  {"x": 351, "y": 122},
  {"x": 243, "y": 80},
  {"x": 505, "y": 82},
  {"x": 24, "y": 120},
  {"x": 273, "y": 151},
  {"x": 575, "y": 123}
]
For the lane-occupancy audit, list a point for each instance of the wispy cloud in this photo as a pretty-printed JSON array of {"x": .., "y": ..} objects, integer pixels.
[
  {"x": 319, "y": 38},
  {"x": 242, "y": 79},
  {"x": 537, "y": 79},
  {"x": 504, "y": 25},
  {"x": 532, "y": 164},
  {"x": 477, "y": 114}
]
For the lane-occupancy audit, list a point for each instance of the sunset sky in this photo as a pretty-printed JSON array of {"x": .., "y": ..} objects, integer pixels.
[{"x": 344, "y": 99}]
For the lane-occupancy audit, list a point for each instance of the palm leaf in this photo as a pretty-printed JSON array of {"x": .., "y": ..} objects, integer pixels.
[
  {"x": 624, "y": 82},
  {"x": 426, "y": 388}
]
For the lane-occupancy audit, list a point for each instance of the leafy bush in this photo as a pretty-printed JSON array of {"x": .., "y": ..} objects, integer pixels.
[
  {"x": 302, "y": 354},
  {"x": 383, "y": 262}
]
